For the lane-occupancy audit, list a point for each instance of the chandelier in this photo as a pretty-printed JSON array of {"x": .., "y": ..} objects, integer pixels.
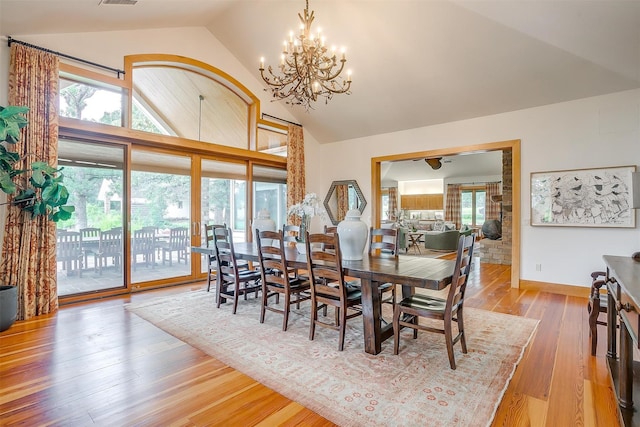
[{"x": 308, "y": 70}]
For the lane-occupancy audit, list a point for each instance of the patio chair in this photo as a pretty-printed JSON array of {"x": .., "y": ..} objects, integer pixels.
[
  {"x": 110, "y": 247},
  {"x": 143, "y": 244},
  {"x": 178, "y": 243},
  {"x": 89, "y": 237},
  {"x": 69, "y": 251}
]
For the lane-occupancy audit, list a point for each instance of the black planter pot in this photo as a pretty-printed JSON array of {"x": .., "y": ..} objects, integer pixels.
[{"x": 8, "y": 306}]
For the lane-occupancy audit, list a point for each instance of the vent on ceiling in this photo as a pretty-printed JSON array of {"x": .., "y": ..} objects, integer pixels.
[{"x": 126, "y": 2}]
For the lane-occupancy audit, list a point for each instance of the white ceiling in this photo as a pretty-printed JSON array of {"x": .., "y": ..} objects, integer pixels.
[
  {"x": 415, "y": 63},
  {"x": 454, "y": 168}
]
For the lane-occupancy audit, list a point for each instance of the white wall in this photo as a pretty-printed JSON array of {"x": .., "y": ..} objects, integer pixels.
[
  {"x": 430, "y": 186},
  {"x": 594, "y": 132}
]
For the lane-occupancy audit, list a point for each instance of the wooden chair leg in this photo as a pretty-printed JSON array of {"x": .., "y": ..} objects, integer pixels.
[
  {"x": 448, "y": 337},
  {"x": 593, "y": 308},
  {"x": 219, "y": 294},
  {"x": 285, "y": 320},
  {"x": 263, "y": 305},
  {"x": 343, "y": 327},
  {"x": 314, "y": 319},
  {"x": 396, "y": 329},
  {"x": 235, "y": 299},
  {"x": 463, "y": 341}
]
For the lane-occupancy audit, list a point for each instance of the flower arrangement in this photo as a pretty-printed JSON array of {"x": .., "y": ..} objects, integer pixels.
[{"x": 309, "y": 207}]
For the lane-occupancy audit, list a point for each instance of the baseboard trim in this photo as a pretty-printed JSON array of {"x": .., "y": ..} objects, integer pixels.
[{"x": 555, "y": 288}]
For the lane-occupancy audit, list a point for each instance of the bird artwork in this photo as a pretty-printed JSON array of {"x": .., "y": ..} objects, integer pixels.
[{"x": 581, "y": 198}]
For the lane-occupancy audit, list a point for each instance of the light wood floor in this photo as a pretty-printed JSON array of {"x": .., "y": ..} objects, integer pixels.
[{"x": 95, "y": 363}]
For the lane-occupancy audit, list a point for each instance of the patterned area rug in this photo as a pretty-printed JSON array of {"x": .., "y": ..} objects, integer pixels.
[{"x": 353, "y": 388}]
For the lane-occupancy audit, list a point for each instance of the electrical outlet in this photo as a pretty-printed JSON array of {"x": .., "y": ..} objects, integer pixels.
[{"x": 538, "y": 267}]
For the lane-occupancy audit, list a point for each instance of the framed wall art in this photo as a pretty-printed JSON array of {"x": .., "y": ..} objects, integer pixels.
[{"x": 583, "y": 198}]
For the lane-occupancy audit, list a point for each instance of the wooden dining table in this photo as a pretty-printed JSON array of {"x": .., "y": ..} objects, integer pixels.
[{"x": 410, "y": 272}]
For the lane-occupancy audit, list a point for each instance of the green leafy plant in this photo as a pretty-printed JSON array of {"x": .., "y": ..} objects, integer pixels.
[{"x": 45, "y": 193}]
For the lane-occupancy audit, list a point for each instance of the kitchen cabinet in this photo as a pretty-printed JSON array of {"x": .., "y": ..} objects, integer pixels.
[{"x": 422, "y": 202}]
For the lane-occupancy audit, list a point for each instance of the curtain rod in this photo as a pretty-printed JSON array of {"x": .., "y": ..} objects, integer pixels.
[
  {"x": 477, "y": 182},
  {"x": 282, "y": 120},
  {"x": 63, "y": 55}
]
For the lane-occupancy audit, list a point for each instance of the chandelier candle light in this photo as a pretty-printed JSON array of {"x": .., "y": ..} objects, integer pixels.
[{"x": 308, "y": 70}]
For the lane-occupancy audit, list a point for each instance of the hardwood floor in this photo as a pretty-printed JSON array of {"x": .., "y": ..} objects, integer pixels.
[{"x": 96, "y": 363}]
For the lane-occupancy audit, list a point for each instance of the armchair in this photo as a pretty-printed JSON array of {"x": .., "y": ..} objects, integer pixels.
[{"x": 441, "y": 240}]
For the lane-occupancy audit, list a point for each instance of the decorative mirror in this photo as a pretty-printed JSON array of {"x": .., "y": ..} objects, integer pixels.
[{"x": 343, "y": 196}]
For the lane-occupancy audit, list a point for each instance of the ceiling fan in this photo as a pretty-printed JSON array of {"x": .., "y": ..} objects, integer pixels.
[{"x": 435, "y": 162}]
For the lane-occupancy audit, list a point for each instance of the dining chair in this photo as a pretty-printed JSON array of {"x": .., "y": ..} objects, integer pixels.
[
  {"x": 290, "y": 236},
  {"x": 384, "y": 242},
  {"x": 212, "y": 263},
  {"x": 276, "y": 280},
  {"x": 328, "y": 285},
  {"x": 407, "y": 312},
  {"x": 291, "y": 233},
  {"x": 330, "y": 229},
  {"x": 232, "y": 281},
  {"x": 597, "y": 304}
]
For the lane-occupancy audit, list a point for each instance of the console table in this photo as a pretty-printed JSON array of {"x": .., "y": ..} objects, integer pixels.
[{"x": 623, "y": 286}]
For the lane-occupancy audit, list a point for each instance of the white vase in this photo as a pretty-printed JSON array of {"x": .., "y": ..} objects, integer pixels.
[
  {"x": 263, "y": 222},
  {"x": 353, "y": 234}
]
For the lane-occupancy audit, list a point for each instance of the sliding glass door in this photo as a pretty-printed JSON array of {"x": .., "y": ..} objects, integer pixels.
[
  {"x": 89, "y": 246},
  {"x": 223, "y": 196},
  {"x": 161, "y": 226},
  {"x": 136, "y": 230},
  {"x": 270, "y": 193}
]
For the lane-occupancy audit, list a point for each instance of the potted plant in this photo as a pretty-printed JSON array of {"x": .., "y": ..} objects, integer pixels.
[{"x": 43, "y": 194}]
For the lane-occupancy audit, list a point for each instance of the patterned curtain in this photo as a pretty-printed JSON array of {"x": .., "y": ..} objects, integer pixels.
[
  {"x": 29, "y": 246},
  {"x": 452, "y": 211},
  {"x": 342, "y": 193},
  {"x": 295, "y": 169},
  {"x": 493, "y": 208},
  {"x": 393, "y": 203}
]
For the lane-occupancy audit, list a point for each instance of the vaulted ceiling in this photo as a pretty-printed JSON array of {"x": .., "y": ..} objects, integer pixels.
[{"x": 415, "y": 63}]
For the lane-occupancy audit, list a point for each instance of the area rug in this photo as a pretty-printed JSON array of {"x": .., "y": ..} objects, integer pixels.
[{"x": 353, "y": 388}]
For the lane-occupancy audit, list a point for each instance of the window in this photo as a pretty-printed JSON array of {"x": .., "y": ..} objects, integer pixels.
[
  {"x": 272, "y": 140},
  {"x": 171, "y": 99},
  {"x": 473, "y": 203},
  {"x": 86, "y": 99},
  {"x": 385, "y": 204}
]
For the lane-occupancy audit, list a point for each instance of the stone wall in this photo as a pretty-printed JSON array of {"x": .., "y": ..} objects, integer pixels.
[{"x": 499, "y": 251}]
